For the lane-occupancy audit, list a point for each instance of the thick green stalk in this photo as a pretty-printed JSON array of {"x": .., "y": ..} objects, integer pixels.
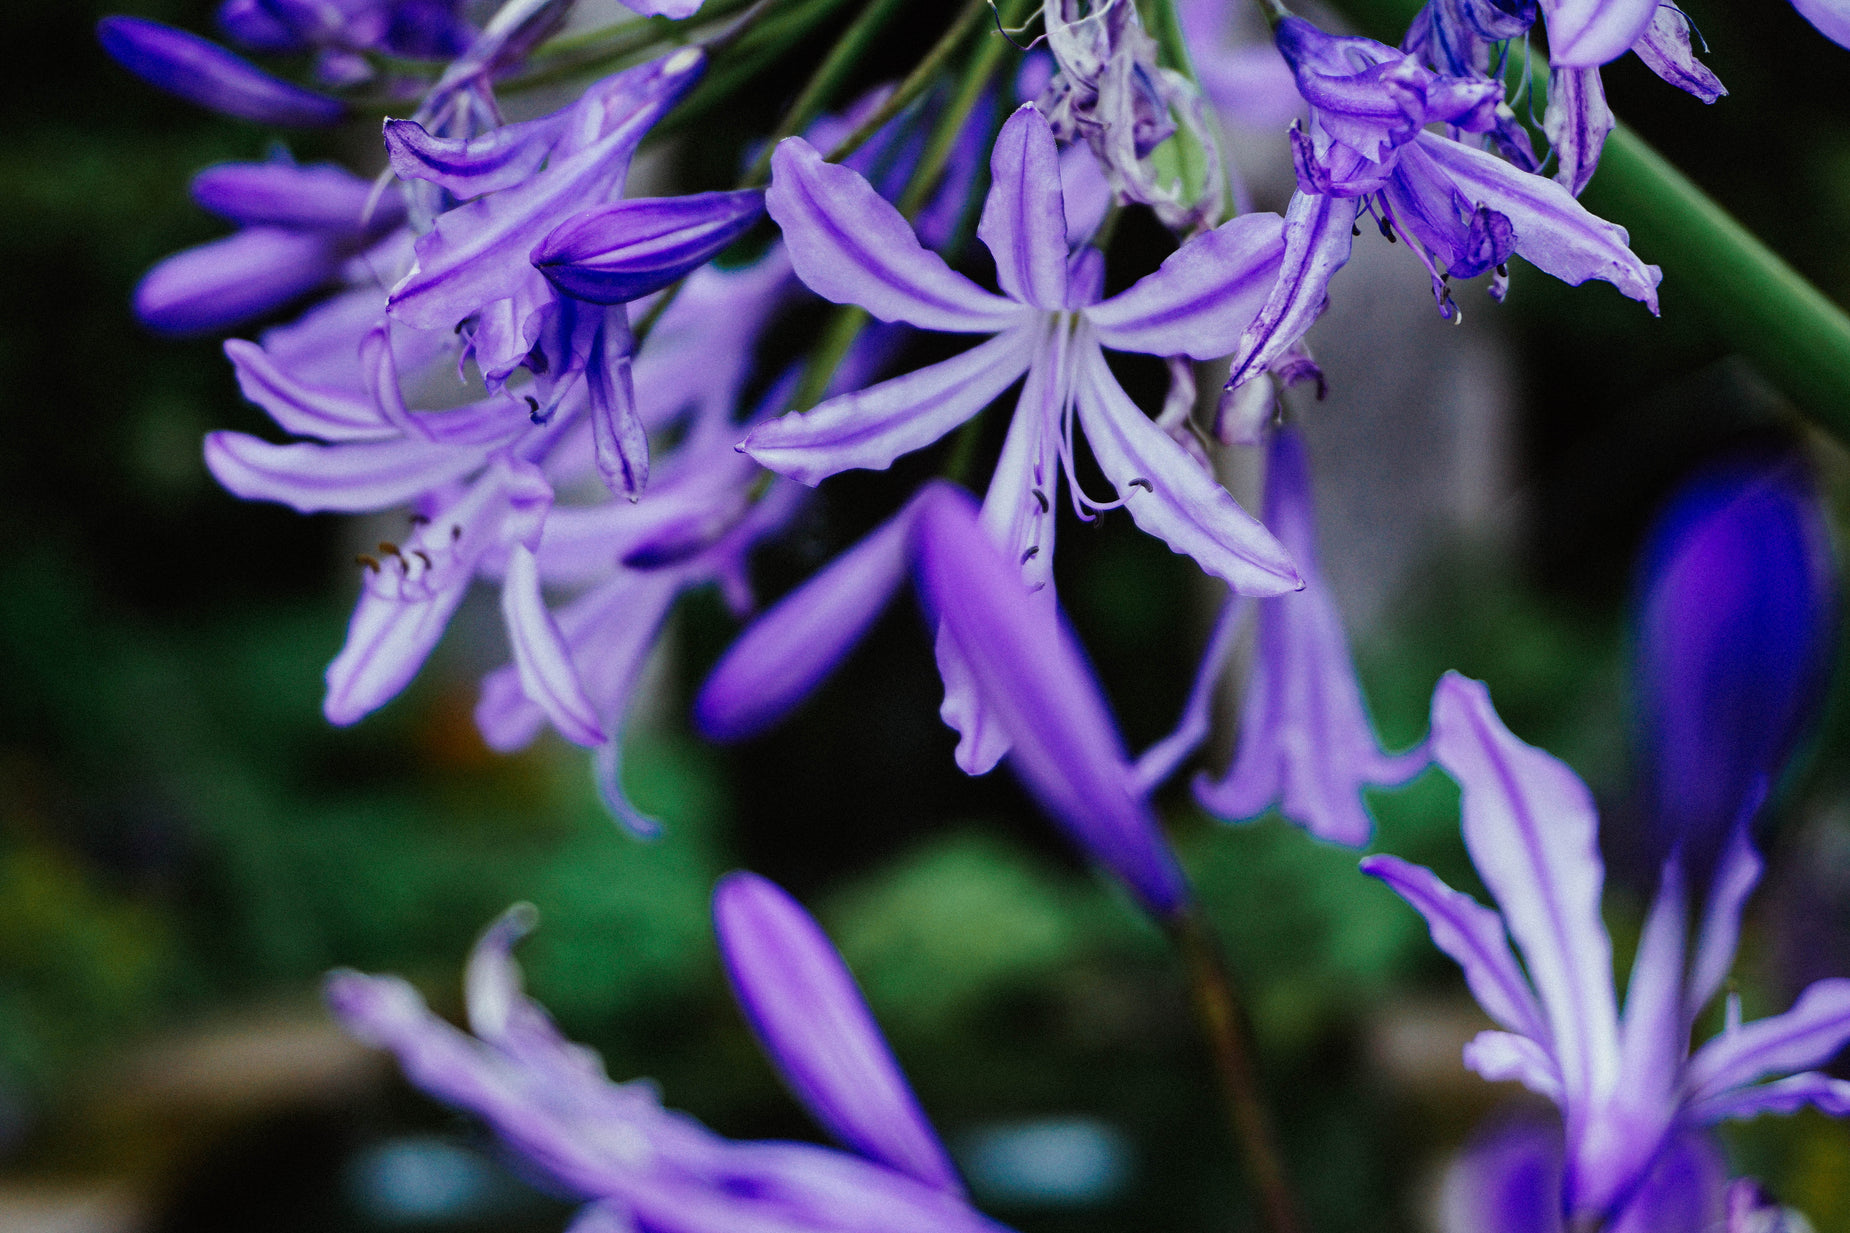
[{"x": 1792, "y": 333}]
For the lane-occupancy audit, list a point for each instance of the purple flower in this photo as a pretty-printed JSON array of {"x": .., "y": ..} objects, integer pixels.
[
  {"x": 1243, "y": 75},
  {"x": 1627, "y": 1086},
  {"x": 1305, "y": 740},
  {"x": 850, "y": 246},
  {"x": 300, "y": 227},
  {"x": 1830, "y": 17},
  {"x": 1461, "y": 211},
  {"x": 202, "y": 72},
  {"x": 634, "y": 248},
  {"x": 1016, "y": 681},
  {"x": 1735, "y": 637},
  {"x": 432, "y": 29},
  {"x": 643, "y": 1167}
]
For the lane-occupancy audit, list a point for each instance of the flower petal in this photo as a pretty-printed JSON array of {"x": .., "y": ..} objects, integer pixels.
[
  {"x": 1809, "y": 1034},
  {"x": 870, "y": 428},
  {"x": 300, "y": 408},
  {"x": 850, "y": 246},
  {"x": 1666, "y": 51},
  {"x": 1319, "y": 232},
  {"x": 1024, "y": 217},
  {"x": 813, "y": 1023},
  {"x": 1499, "y": 1057},
  {"x": 1203, "y": 297},
  {"x": 1168, "y": 493},
  {"x": 321, "y": 197},
  {"x": 500, "y": 158},
  {"x": 1831, "y": 17},
  {"x": 622, "y": 252},
  {"x": 1787, "y": 1096},
  {"x": 247, "y": 274},
  {"x": 1735, "y": 878},
  {"x": 202, "y": 72},
  {"x": 1576, "y": 123},
  {"x": 351, "y": 477},
  {"x": 540, "y": 655},
  {"x": 1588, "y": 33}
]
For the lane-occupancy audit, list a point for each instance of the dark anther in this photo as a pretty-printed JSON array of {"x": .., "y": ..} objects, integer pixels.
[
  {"x": 1355, "y": 229},
  {"x": 461, "y": 326},
  {"x": 1141, "y": 482},
  {"x": 455, "y": 532},
  {"x": 1386, "y": 230},
  {"x": 1030, "y": 554},
  {"x": 418, "y": 520},
  {"x": 533, "y": 410},
  {"x": 390, "y": 549},
  {"x": 1042, "y": 498},
  {"x": 367, "y": 561},
  {"x": 423, "y": 556},
  {"x": 1503, "y": 269}
]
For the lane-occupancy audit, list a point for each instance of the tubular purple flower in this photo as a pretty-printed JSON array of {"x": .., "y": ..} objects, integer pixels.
[
  {"x": 1305, "y": 739},
  {"x": 1736, "y": 629},
  {"x": 202, "y": 72},
  {"x": 218, "y": 285},
  {"x": 810, "y": 1019},
  {"x": 633, "y": 248},
  {"x": 1626, "y": 1084},
  {"x": 320, "y": 197}
]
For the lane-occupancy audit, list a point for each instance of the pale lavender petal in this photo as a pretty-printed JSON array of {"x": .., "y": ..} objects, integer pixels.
[
  {"x": 500, "y": 158},
  {"x": 1809, "y": 1034},
  {"x": 1554, "y": 233},
  {"x": 1588, "y": 33},
  {"x": 1168, "y": 493},
  {"x": 1473, "y": 936},
  {"x": 1024, "y": 218},
  {"x": 851, "y": 246},
  {"x": 1319, "y": 233},
  {"x": 1305, "y": 738},
  {"x": 870, "y": 428},
  {"x": 674, "y": 10},
  {"x": 620, "y": 441},
  {"x": 810, "y": 1018},
  {"x": 540, "y": 655},
  {"x": 351, "y": 477},
  {"x": 202, "y": 72},
  {"x": 1735, "y": 877},
  {"x": 387, "y": 642},
  {"x": 1203, "y": 297},
  {"x": 1653, "y": 1038},
  {"x": 793, "y": 647},
  {"x": 1576, "y": 123},
  {"x": 1501, "y": 1057},
  {"x": 1506, "y": 1181},
  {"x": 320, "y": 197},
  {"x": 244, "y": 275},
  {"x": 1831, "y": 17},
  {"x": 299, "y": 407},
  {"x": 1530, "y": 825},
  {"x": 1666, "y": 51},
  {"x": 1785, "y": 1096},
  {"x": 1033, "y": 676},
  {"x": 1086, "y": 191}
]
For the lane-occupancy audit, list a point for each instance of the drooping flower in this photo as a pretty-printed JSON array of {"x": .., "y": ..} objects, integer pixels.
[
  {"x": 1627, "y": 1085},
  {"x": 1462, "y": 211},
  {"x": 1016, "y": 682},
  {"x": 1305, "y": 740},
  {"x": 850, "y": 246},
  {"x": 637, "y": 1165},
  {"x": 1735, "y": 631}
]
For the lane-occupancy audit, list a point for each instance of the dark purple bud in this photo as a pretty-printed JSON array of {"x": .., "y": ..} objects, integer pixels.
[
  {"x": 625, "y": 251},
  {"x": 216, "y": 286},
  {"x": 202, "y": 72},
  {"x": 1736, "y": 629},
  {"x": 316, "y": 198},
  {"x": 809, "y": 1015}
]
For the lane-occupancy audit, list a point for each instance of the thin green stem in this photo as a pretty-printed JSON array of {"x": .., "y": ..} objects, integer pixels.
[
  {"x": 1223, "y": 1022},
  {"x": 836, "y": 67},
  {"x": 918, "y": 81},
  {"x": 762, "y": 46},
  {"x": 944, "y": 134},
  {"x": 843, "y": 328}
]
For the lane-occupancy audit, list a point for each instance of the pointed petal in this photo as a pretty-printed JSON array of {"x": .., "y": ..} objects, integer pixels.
[
  {"x": 1735, "y": 878},
  {"x": 1588, "y": 33},
  {"x": 620, "y": 440},
  {"x": 622, "y": 252},
  {"x": 870, "y": 428},
  {"x": 1530, "y": 827},
  {"x": 788, "y": 651},
  {"x": 202, "y": 72},
  {"x": 1809, "y": 1034},
  {"x": 1684, "y": 1191},
  {"x": 540, "y": 655},
  {"x": 1554, "y": 233},
  {"x": 809, "y": 1016},
  {"x": 1167, "y": 492},
  {"x": 1786, "y": 1096},
  {"x": 1666, "y": 51},
  {"x": 851, "y": 246},
  {"x": 1032, "y": 675},
  {"x": 1319, "y": 232},
  {"x": 1653, "y": 1039},
  {"x": 349, "y": 478},
  {"x": 1576, "y": 123},
  {"x": 1202, "y": 299},
  {"x": 1499, "y": 1057},
  {"x": 1831, "y": 17},
  {"x": 1024, "y": 218},
  {"x": 300, "y": 408},
  {"x": 388, "y": 640}
]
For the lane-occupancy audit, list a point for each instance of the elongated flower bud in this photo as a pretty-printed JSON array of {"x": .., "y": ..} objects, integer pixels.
[{"x": 202, "y": 72}]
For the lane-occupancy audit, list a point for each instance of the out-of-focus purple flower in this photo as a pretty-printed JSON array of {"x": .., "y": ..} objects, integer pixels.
[
  {"x": 1830, "y": 17},
  {"x": 1750, "y": 1210},
  {"x": 1305, "y": 740},
  {"x": 850, "y": 246},
  {"x": 1245, "y": 78},
  {"x": 1626, "y": 1085},
  {"x": 301, "y": 226},
  {"x": 1461, "y": 211},
  {"x": 202, "y": 72},
  {"x": 641, "y": 1166},
  {"x": 1016, "y": 681},
  {"x": 1736, "y": 627},
  {"x": 425, "y": 29},
  {"x": 809, "y": 1016}
]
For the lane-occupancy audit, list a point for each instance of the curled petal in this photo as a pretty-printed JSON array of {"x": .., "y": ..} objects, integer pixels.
[
  {"x": 811, "y": 1020},
  {"x": 1024, "y": 219},
  {"x": 1319, "y": 232},
  {"x": 540, "y": 655},
  {"x": 1203, "y": 297},
  {"x": 499, "y": 158},
  {"x": 300, "y": 408},
  {"x": 202, "y": 72},
  {"x": 1666, "y": 51},
  {"x": 850, "y": 246},
  {"x": 1502, "y": 1056}
]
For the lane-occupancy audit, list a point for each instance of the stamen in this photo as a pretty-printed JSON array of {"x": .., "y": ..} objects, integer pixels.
[
  {"x": 455, "y": 532},
  {"x": 423, "y": 556},
  {"x": 1141, "y": 482},
  {"x": 1030, "y": 554},
  {"x": 391, "y": 550},
  {"x": 367, "y": 561},
  {"x": 1042, "y": 498}
]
